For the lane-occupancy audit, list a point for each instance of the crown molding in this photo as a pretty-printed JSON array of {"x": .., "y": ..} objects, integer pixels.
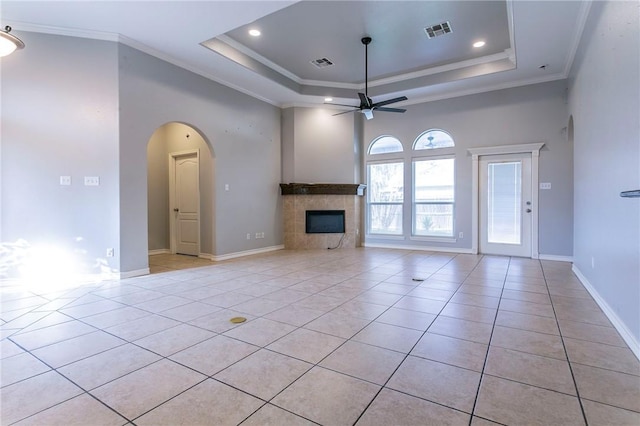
[
  {"x": 119, "y": 38},
  {"x": 484, "y": 89},
  {"x": 583, "y": 15}
]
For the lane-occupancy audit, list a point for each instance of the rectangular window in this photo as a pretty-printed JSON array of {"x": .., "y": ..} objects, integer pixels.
[
  {"x": 385, "y": 195},
  {"x": 433, "y": 197}
]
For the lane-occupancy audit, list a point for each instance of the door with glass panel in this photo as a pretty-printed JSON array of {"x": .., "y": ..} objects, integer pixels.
[{"x": 505, "y": 205}]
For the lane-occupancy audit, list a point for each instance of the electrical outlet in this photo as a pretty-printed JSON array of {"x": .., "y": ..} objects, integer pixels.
[
  {"x": 91, "y": 181},
  {"x": 461, "y": 235},
  {"x": 248, "y": 236},
  {"x": 593, "y": 262},
  {"x": 257, "y": 235},
  {"x": 65, "y": 180},
  {"x": 110, "y": 252}
]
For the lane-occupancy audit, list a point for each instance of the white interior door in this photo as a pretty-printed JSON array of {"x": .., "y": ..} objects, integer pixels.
[
  {"x": 505, "y": 204},
  {"x": 185, "y": 203}
]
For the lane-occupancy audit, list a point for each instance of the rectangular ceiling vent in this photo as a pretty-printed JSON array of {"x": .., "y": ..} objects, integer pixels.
[
  {"x": 322, "y": 62},
  {"x": 438, "y": 30}
]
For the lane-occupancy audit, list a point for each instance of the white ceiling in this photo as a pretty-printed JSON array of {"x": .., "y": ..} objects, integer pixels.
[{"x": 521, "y": 36}]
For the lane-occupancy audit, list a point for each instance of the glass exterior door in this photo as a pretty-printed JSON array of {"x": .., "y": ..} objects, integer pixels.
[{"x": 505, "y": 205}]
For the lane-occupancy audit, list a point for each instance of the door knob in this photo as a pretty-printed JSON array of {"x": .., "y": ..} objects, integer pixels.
[
  {"x": 528, "y": 210},
  {"x": 176, "y": 210},
  {"x": 528, "y": 203}
]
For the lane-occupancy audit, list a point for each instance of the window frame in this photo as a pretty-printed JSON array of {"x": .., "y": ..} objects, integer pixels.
[
  {"x": 408, "y": 157},
  {"x": 414, "y": 203},
  {"x": 398, "y": 157},
  {"x": 386, "y": 203}
]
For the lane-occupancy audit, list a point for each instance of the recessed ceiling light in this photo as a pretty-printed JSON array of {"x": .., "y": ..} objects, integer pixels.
[
  {"x": 479, "y": 44},
  {"x": 328, "y": 99},
  {"x": 254, "y": 32}
]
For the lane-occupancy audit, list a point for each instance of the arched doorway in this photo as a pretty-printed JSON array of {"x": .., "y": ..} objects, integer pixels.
[{"x": 180, "y": 173}]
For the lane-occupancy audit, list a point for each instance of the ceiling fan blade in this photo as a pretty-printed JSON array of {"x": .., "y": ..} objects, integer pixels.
[
  {"x": 344, "y": 112},
  {"x": 390, "y": 101},
  {"x": 385, "y": 109},
  {"x": 351, "y": 106},
  {"x": 364, "y": 100}
]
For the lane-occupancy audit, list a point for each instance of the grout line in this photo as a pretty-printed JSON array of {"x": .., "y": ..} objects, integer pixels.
[
  {"x": 564, "y": 347},
  {"x": 384, "y": 385},
  {"x": 238, "y": 269},
  {"x": 85, "y": 391},
  {"x": 486, "y": 357}
]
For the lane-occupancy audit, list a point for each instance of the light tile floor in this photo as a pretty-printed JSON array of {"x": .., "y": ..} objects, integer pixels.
[{"x": 360, "y": 336}]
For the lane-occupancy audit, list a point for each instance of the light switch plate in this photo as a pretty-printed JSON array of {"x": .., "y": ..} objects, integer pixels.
[
  {"x": 545, "y": 185},
  {"x": 65, "y": 180}
]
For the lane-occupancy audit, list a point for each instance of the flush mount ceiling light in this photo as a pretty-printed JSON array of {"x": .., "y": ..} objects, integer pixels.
[
  {"x": 254, "y": 32},
  {"x": 328, "y": 99},
  {"x": 9, "y": 42},
  {"x": 479, "y": 43}
]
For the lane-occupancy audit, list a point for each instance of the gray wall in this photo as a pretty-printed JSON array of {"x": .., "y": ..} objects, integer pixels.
[
  {"x": 80, "y": 107},
  {"x": 322, "y": 149},
  {"x": 604, "y": 102},
  {"x": 318, "y": 147},
  {"x": 172, "y": 137},
  {"x": 244, "y": 135},
  {"x": 528, "y": 114},
  {"x": 60, "y": 118}
]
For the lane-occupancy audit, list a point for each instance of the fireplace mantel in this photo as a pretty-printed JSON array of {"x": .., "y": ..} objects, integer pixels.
[{"x": 322, "y": 189}]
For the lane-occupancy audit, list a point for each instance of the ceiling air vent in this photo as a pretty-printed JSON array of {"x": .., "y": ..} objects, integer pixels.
[
  {"x": 322, "y": 62},
  {"x": 438, "y": 29}
]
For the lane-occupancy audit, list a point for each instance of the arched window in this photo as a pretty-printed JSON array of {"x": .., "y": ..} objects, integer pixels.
[
  {"x": 418, "y": 183},
  {"x": 432, "y": 139},
  {"x": 385, "y": 186},
  {"x": 385, "y": 145}
]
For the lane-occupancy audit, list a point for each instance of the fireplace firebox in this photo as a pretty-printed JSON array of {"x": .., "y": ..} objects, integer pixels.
[{"x": 324, "y": 222}]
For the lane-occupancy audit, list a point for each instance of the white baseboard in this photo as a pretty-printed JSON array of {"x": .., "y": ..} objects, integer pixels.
[
  {"x": 420, "y": 248},
  {"x": 619, "y": 325},
  {"x": 207, "y": 256},
  {"x": 159, "y": 251},
  {"x": 556, "y": 258},
  {"x": 246, "y": 253},
  {"x": 131, "y": 274}
]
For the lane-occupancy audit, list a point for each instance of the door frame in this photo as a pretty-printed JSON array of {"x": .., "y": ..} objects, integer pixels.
[
  {"x": 476, "y": 153},
  {"x": 173, "y": 156}
]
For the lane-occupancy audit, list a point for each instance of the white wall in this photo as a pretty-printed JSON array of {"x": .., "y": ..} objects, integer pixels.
[
  {"x": 604, "y": 100},
  {"x": 60, "y": 118},
  {"x": 528, "y": 114}
]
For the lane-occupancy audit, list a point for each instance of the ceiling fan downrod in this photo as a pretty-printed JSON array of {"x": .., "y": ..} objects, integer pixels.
[{"x": 366, "y": 41}]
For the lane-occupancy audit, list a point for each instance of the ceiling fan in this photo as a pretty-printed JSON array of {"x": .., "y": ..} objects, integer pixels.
[{"x": 366, "y": 105}]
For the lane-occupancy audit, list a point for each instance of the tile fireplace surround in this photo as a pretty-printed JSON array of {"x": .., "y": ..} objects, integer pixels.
[{"x": 300, "y": 197}]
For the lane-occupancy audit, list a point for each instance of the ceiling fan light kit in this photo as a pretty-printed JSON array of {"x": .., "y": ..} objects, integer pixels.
[
  {"x": 367, "y": 106},
  {"x": 8, "y": 42}
]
